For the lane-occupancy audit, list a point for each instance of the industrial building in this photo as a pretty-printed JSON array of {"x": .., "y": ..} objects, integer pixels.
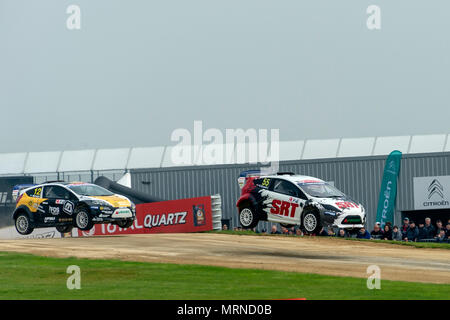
[{"x": 353, "y": 165}]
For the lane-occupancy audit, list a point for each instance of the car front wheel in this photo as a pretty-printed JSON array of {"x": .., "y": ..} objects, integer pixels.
[
  {"x": 83, "y": 220},
  {"x": 311, "y": 222}
]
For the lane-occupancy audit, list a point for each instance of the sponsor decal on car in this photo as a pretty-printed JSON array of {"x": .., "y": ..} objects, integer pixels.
[
  {"x": 122, "y": 213},
  {"x": 68, "y": 207},
  {"x": 54, "y": 210},
  {"x": 346, "y": 205},
  {"x": 283, "y": 208}
]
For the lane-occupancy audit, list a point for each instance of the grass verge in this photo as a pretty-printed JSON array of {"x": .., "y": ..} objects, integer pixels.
[{"x": 24, "y": 276}]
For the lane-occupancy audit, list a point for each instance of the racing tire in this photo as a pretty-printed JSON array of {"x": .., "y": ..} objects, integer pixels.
[
  {"x": 64, "y": 229},
  {"x": 125, "y": 224},
  {"x": 247, "y": 217},
  {"x": 83, "y": 219},
  {"x": 311, "y": 222},
  {"x": 23, "y": 224}
]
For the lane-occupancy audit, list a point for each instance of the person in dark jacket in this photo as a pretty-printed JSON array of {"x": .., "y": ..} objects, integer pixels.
[
  {"x": 447, "y": 232},
  {"x": 376, "y": 233},
  {"x": 274, "y": 230},
  {"x": 439, "y": 227},
  {"x": 387, "y": 234},
  {"x": 422, "y": 232},
  {"x": 341, "y": 234},
  {"x": 323, "y": 232},
  {"x": 405, "y": 226},
  {"x": 396, "y": 234},
  {"x": 441, "y": 236},
  {"x": 412, "y": 233},
  {"x": 363, "y": 234},
  {"x": 429, "y": 229}
]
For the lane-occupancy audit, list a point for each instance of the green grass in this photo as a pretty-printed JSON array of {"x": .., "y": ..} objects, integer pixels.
[
  {"x": 401, "y": 243},
  {"x": 24, "y": 276}
]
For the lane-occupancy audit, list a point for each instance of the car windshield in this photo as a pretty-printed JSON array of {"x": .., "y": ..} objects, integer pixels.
[
  {"x": 90, "y": 190},
  {"x": 320, "y": 190}
]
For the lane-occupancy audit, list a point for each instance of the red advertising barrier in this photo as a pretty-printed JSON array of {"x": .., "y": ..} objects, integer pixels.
[{"x": 175, "y": 216}]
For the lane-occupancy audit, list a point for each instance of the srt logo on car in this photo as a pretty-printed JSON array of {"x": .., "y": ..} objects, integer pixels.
[
  {"x": 346, "y": 205},
  {"x": 282, "y": 208}
]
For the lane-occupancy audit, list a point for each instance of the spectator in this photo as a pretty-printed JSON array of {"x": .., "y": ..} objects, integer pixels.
[
  {"x": 275, "y": 230},
  {"x": 376, "y": 233},
  {"x": 363, "y": 234},
  {"x": 341, "y": 234},
  {"x": 331, "y": 232},
  {"x": 412, "y": 233},
  {"x": 422, "y": 232},
  {"x": 284, "y": 231},
  {"x": 429, "y": 229},
  {"x": 439, "y": 227},
  {"x": 323, "y": 232},
  {"x": 441, "y": 236},
  {"x": 396, "y": 234},
  {"x": 299, "y": 232},
  {"x": 387, "y": 234},
  {"x": 405, "y": 226},
  {"x": 225, "y": 227},
  {"x": 447, "y": 232}
]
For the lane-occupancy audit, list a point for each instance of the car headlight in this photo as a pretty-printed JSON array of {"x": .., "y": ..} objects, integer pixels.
[
  {"x": 329, "y": 207},
  {"x": 101, "y": 203}
]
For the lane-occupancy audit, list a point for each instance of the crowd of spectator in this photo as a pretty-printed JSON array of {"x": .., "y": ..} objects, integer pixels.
[{"x": 409, "y": 231}]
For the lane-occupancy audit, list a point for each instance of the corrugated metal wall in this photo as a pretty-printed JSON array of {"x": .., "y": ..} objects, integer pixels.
[{"x": 360, "y": 178}]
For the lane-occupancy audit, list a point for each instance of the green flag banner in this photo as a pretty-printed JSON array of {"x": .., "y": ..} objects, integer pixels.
[{"x": 388, "y": 191}]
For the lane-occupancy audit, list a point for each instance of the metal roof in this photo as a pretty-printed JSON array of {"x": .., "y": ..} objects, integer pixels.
[{"x": 161, "y": 156}]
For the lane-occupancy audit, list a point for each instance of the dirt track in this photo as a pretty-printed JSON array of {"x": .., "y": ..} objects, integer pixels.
[{"x": 315, "y": 255}]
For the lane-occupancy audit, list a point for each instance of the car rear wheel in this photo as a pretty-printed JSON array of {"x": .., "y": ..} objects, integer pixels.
[
  {"x": 83, "y": 220},
  {"x": 64, "y": 229},
  {"x": 247, "y": 217},
  {"x": 311, "y": 222},
  {"x": 23, "y": 224}
]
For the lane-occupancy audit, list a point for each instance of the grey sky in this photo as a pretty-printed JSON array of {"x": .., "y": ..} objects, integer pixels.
[{"x": 137, "y": 70}]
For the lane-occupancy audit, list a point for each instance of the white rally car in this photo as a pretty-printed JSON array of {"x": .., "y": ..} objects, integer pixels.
[{"x": 291, "y": 199}]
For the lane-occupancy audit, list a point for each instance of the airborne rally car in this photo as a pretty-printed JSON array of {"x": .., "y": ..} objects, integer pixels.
[
  {"x": 291, "y": 200},
  {"x": 68, "y": 205}
]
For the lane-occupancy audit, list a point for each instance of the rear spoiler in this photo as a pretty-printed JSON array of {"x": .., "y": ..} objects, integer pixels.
[
  {"x": 18, "y": 190},
  {"x": 242, "y": 180}
]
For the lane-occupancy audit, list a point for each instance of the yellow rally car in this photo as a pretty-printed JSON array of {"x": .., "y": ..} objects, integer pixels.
[{"x": 68, "y": 205}]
